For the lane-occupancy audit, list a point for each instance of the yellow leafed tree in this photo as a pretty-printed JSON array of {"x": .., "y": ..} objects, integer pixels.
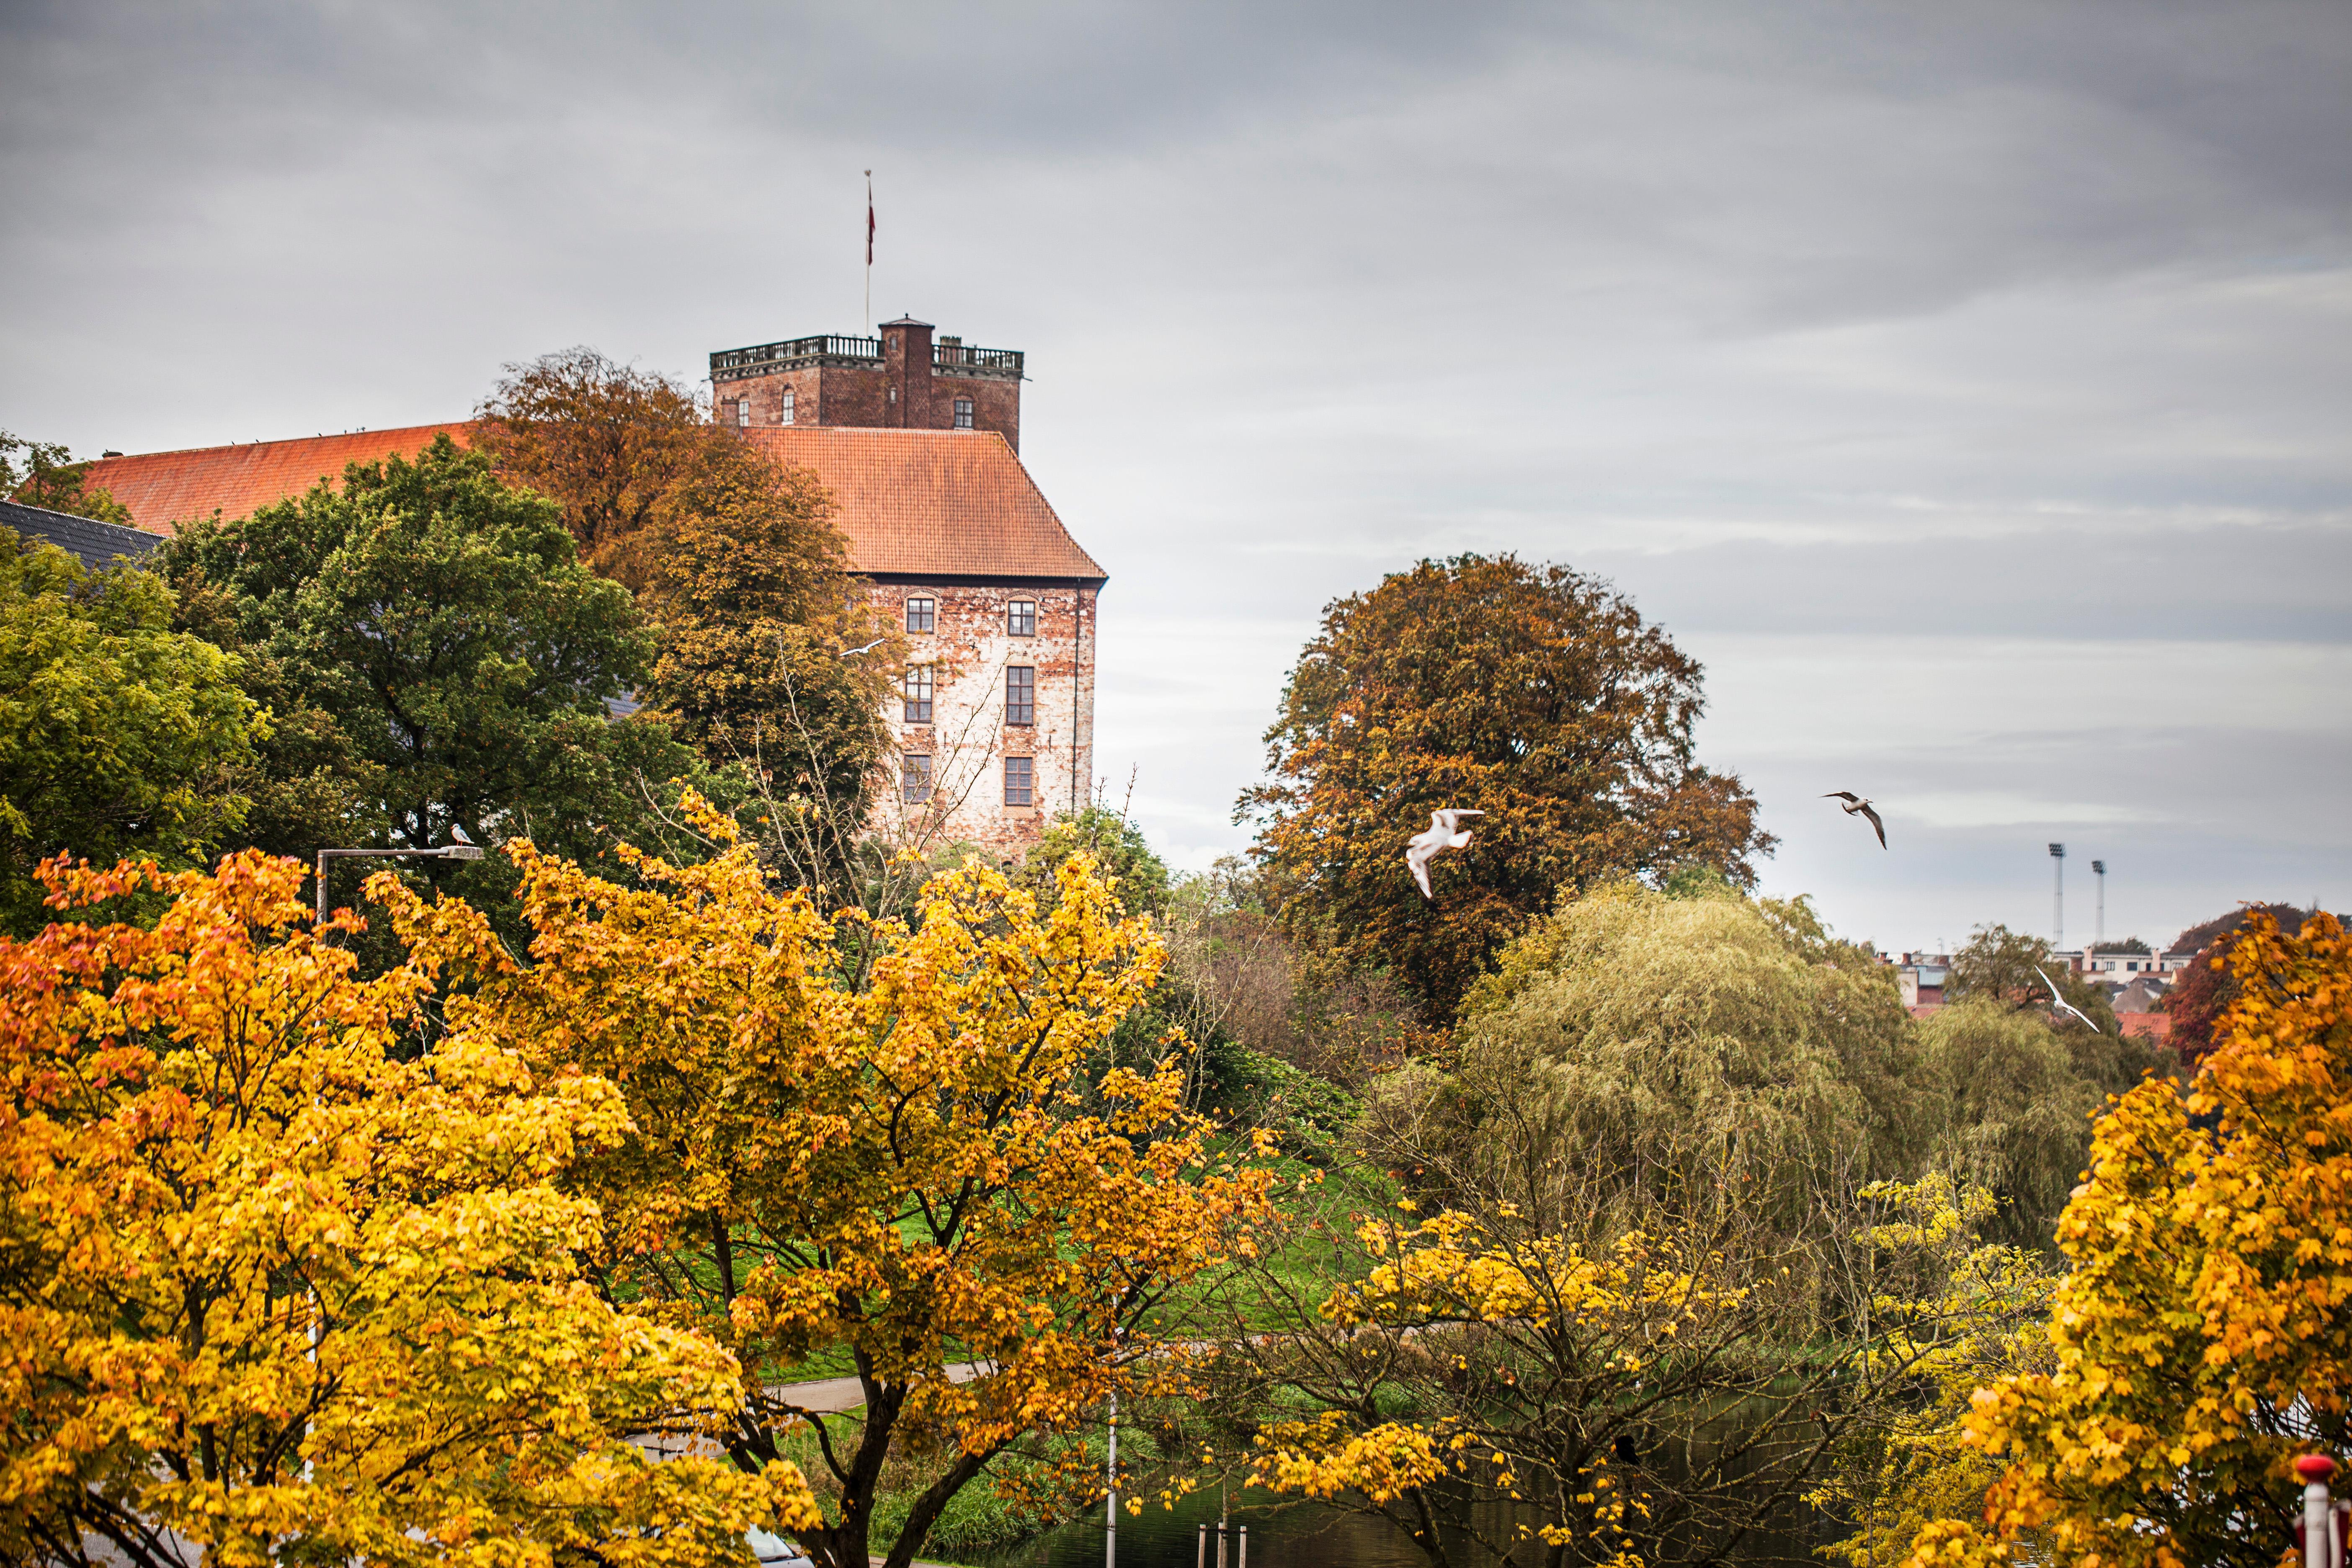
[
  {"x": 270, "y": 1292},
  {"x": 2204, "y": 1337},
  {"x": 910, "y": 1180}
]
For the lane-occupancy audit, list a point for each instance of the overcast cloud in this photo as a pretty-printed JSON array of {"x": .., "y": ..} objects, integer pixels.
[{"x": 1968, "y": 386}]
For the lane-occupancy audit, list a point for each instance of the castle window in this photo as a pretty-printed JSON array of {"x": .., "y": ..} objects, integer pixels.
[
  {"x": 918, "y": 694},
  {"x": 963, "y": 413},
  {"x": 915, "y": 778},
  {"x": 785, "y": 409},
  {"x": 743, "y": 413},
  {"x": 918, "y": 615},
  {"x": 1020, "y": 694},
  {"x": 1021, "y": 618},
  {"x": 1020, "y": 780}
]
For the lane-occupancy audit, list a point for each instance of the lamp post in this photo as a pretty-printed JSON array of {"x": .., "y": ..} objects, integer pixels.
[{"x": 447, "y": 852}]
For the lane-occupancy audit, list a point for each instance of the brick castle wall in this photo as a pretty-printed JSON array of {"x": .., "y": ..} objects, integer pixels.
[
  {"x": 906, "y": 390},
  {"x": 969, "y": 651}
]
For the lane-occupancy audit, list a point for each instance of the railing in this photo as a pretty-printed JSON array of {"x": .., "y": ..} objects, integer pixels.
[
  {"x": 797, "y": 349},
  {"x": 963, "y": 356},
  {"x": 947, "y": 356}
]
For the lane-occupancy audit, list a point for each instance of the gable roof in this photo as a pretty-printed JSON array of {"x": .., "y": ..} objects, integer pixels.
[
  {"x": 943, "y": 503},
  {"x": 163, "y": 489},
  {"x": 914, "y": 503},
  {"x": 97, "y": 543}
]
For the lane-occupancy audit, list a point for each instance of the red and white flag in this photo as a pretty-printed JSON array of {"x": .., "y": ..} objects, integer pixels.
[{"x": 869, "y": 217}]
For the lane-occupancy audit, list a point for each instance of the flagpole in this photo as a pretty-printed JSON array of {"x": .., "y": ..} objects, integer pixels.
[{"x": 866, "y": 322}]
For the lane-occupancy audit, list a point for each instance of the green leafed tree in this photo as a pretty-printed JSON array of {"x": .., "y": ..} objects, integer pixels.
[
  {"x": 447, "y": 656},
  {"x": 118, "y": 736},
  {"x": 1671, "y": 1038},
  {"x": 44, "y": 474},
  {"x": 1534, "y": 694},
  {"x": 745, "y": 583}
]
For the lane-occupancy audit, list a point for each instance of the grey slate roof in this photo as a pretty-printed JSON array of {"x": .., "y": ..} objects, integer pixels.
[{"x": 97, "y": 543}]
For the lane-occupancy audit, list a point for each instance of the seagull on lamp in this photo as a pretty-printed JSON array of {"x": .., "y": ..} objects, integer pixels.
[
  {"x": 1856, "y": 806},
  {"x": 2062, "y": 1002},
  {"x": 1444, "y": 833}
]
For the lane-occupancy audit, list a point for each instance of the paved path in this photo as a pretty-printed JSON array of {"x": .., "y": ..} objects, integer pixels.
[{"x": 833, "y": 1395}]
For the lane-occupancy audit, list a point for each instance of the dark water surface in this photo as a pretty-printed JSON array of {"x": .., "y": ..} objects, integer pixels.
[{"x": 1288, "y": 1533}]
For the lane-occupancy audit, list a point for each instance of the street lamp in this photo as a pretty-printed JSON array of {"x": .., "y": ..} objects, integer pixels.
[{"x": 447, "y": 852}]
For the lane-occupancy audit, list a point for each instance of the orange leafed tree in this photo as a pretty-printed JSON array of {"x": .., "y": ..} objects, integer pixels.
[
  {"x": 1533, "y": 694},
  {"x": 906, "y": 1179},
  {"x": 268, "y": 1291},
  {"x": 2204, "y": 1336}
]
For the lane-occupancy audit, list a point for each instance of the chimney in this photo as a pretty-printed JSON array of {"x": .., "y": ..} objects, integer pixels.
[{"x": 907, "y": 370}]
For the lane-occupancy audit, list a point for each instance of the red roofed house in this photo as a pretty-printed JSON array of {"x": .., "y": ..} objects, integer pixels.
[{"x": 917, "y": 443}]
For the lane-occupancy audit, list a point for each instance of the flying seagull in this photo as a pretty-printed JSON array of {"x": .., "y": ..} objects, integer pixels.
[
  {"x": 1855, "y": 805},
  {"x": 853, "y": 653},
  {"x": 1442, "y": 835},
  {"x": 2061, "y": 1001}
]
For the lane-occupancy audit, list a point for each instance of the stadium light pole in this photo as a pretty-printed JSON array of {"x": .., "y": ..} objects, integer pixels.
[
  {"x": 2058, "y": 899},
  {"x": 447, "y": 852},
  {"x": 2099, "y": 921}
]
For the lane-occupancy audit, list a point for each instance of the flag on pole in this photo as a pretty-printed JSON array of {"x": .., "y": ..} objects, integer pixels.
[{"x": 869, "y": 217}]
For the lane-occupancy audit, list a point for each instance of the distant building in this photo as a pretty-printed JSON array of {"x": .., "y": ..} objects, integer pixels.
[
  {"x": 918, "y": 443},
  {"x": 97, "y": 543},
  {"x": 2139, "y": 1007},
  {"x": 2117, "y": 969},
  {"x": 1923, "y": 976}
]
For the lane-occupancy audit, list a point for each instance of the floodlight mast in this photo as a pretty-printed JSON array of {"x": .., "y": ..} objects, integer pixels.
[
  {"x": 447, "y": 852},
  {"x": 2099, "y": 923},
  {"x": 2058, "y": 901}
]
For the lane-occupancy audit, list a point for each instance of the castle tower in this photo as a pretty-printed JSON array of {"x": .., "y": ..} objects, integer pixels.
[{"x": 901, "y": 380}]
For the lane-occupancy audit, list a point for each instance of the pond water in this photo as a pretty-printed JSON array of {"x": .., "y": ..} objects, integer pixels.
[{"x": 1288, "y": 1533}]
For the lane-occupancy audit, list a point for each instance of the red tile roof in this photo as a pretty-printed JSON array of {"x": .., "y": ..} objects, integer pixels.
[
  {"x": 946, "y": 503},
  {"x": 918, "y": 504},
  {"x": 163, "y": 489}
]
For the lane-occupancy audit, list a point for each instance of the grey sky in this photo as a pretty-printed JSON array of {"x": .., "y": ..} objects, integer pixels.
[{"x": 1967, "y": 385}]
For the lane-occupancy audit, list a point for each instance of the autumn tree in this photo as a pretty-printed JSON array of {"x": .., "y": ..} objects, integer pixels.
[
  {"x": 44, "y": 474},
  {"x": 2202, "y": 992},
  {"x": 608, "y": 443},
  {"x": 898, "y": 1175},
  {"x": 445, "y": 657},
  {"x": 1534, "y": 694},
  {"x": 2203, "y": 1337},
  {"x": 739, "y": 568},
  {"x": 745, "y": 582},
  {"x": 270, "y": 1295},
  {"x": 118, "y": 734},
  {"x": 1542, "y": 1367}
]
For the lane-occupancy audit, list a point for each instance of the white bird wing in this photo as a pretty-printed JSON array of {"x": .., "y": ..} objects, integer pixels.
[
  {"x": 1419, "y": 861},
  {"x": 2063, "y": 1002}
]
